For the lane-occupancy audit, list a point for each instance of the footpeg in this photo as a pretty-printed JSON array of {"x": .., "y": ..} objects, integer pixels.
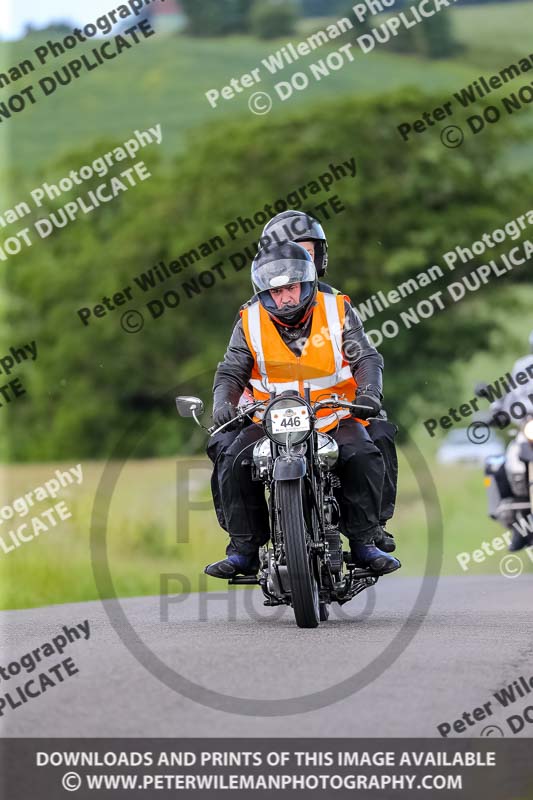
[
  {"x": 361, "y": 572},
  {"x": 243, "y": 580}
]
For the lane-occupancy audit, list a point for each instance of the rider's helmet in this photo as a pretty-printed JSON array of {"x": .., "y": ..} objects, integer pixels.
[
  {"x": 295, "y": 226},
  {"x": 531, "y": 342},
  {"x": 282, "y": 265}
]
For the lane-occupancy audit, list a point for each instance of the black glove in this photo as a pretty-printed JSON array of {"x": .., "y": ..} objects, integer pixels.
[
  {"x": 368, "y": 399},
  {"x": 223, "y": 414}
]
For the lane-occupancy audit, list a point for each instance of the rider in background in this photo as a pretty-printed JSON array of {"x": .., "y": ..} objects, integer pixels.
[{"x": 513, "y": 466}]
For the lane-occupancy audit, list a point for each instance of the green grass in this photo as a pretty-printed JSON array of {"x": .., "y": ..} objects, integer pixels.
[
  {"x": 142, "y": 533},
  {"x": 495, "y": 35},
  {"x": 164, "y": 80}
]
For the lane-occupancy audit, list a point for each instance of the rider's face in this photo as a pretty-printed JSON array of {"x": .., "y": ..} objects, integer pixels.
[
  {"x": 310, "y": 247},
  {"x": 287, "y": 295}
]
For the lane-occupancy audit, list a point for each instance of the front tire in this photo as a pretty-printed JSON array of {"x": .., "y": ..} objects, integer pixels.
[{"x": 304, "y": 589}]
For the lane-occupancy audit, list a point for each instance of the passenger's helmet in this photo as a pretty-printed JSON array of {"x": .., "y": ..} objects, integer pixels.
[
  {"x": 281, "y": 265},
  {"x": 295, "y": 226}
]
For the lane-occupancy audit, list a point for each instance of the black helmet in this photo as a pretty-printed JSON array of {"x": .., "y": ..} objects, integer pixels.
[
  {"x": 295, "y": 226},
  {"x": 279, "y": 266}
]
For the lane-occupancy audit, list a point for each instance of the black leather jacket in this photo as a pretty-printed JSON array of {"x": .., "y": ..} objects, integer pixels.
[{"x": 234, "y": 372}]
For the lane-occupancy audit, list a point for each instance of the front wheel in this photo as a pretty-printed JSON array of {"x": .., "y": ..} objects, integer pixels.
[{"x": 304, "y": 589}]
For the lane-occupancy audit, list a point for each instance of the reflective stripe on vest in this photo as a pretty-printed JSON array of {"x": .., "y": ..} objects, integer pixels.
[{"x": 322, "y": 347}]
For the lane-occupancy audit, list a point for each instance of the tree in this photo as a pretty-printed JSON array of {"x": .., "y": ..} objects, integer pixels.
[
  {"x": 438, "y": 38},
  {"x": 433, "y": 38},
  {"x": 273, "y": 19},
  {"x": 406, "y": 207},
  {"x": 217, "y": 17},
  {"x": 322, "y": 8}
]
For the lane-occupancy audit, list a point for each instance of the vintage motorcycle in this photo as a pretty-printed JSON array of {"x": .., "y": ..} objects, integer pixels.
[{"x": 305, "y": 566}]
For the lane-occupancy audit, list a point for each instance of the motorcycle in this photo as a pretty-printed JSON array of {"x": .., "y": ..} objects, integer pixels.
[
  {"x": 509, "y": 477},
  {"x": 305, "y": 567}
]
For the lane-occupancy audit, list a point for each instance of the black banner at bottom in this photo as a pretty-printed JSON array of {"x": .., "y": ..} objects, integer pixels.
[{"x": 51, "y": 769}]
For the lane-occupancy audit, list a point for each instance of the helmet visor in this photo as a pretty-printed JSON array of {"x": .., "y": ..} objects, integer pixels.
[{"x": 283, "y": 272}]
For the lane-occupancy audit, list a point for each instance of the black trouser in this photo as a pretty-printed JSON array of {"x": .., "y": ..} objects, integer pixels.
[
  {"x": 380, "y": 431},
  {"x": 360, "y": 468},
  {"x": 502, "y": 482},
  {"x": 216, "y": 446},
  {"x": 383, "y": 434}
]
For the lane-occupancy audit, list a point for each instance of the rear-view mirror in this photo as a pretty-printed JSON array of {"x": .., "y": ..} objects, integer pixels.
[{"x": 187, "y": 405}]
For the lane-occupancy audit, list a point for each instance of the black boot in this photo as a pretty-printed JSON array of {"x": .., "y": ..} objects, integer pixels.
[
  {"x": 385, "y": 541},
  {"x": 519, "y": 540},
  {"x": 368, "y": 555},
  {"x": 233, "y": 565}
]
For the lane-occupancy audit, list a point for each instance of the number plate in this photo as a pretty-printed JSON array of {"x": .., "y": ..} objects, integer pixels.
[{"x": 285, "y": 420}]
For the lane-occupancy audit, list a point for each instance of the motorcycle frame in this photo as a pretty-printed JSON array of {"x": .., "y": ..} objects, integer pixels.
[{"x": 313, "y": 501}]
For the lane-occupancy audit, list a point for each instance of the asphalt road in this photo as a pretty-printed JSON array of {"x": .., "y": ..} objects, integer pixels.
[{"x": 475, "y": 639}]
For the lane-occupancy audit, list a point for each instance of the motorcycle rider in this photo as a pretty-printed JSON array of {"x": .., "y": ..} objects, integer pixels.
[
  {"x": 299, "y": 227},
  {"x": 276, "y": 342},
  {"x": 513, "y": 467}
]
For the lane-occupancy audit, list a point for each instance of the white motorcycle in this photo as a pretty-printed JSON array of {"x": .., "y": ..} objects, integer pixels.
[{"x": 509, "y": 477}]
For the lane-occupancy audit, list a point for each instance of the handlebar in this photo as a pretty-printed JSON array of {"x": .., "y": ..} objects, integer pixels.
[
  {"x": 355, "y": 407},
  {"x": 247, "y": 410}
]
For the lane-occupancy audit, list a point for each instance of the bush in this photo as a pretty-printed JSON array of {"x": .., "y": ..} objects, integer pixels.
[
  {"x": 408, "y": 41},
  {"x": 438, "y": 37},
  {"x": 434, "y": 38},
  {"x": 323, "y": 8},
  {"x": 217, "y": 17},
  {"x": 273, "y": 19}
]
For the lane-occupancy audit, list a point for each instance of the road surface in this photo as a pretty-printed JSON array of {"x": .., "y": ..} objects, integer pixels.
[{"x": 475, "y": 639}]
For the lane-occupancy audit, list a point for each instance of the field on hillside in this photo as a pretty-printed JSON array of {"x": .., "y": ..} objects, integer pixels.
[
  {"x": 168, "y": 79},
  {"x": 495, "y": 35}
]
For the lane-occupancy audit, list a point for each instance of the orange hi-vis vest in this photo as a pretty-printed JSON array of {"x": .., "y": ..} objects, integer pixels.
[{"x": 322, "y": 366}]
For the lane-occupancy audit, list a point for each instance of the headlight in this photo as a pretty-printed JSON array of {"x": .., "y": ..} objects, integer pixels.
[
  {"x": 288, "y": 415},
  {"x": 528, "y": 430},
  {"x": 262, "y": 457},
  {"x": 327, "y": 451}
]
